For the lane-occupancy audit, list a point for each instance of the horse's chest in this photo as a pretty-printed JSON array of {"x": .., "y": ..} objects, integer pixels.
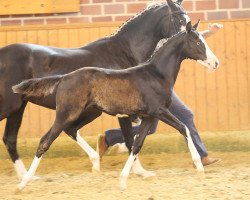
[{"x": 117, "y": 96}]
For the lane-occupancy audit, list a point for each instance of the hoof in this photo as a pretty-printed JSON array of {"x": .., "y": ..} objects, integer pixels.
[
  {"x": 123, "y": 183},
  {"x": 148, "y": 174},
  {"x": 20, "y": 187},
  {"x": 145, "y": 174},
  {"x": 201, "y": 174},
  {"x": 17, "y": 191},
  {"x": 35, "y": 178},
  {"x": 96, "y": 164},
  {"x": 95, "y": 170}
]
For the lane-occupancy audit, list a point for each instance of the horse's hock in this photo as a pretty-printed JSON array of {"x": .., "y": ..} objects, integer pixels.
[{"x": 220, "y": 100}]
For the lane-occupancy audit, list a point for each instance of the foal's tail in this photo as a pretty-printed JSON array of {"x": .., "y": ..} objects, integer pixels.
[{"x": 37, "y": 87}]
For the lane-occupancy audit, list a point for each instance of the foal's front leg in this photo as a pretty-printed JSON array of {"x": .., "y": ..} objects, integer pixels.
[
  {"x": 138, "y": 142},
  {"x": 166, "y": 116},
  {"x": 128, "y": 134}
]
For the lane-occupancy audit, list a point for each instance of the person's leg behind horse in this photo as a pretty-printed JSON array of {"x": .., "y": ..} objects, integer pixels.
[
  {"x": 167, "y": 117},
  {"x": 185, "y": 115},
  {"x": 116, "y": 137}
]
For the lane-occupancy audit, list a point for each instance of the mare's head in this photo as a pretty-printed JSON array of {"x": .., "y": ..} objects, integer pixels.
[
  {"x": 196, "y": 48},
  {"x": 175, "y": 19}
]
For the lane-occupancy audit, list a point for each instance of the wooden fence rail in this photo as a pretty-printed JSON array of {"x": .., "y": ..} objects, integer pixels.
[{"x": 220, "y": 100}]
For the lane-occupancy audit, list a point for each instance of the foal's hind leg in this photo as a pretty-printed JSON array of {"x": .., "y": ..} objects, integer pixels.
[
  {"x": 12, "y": 126},
  {"x": 73, "y": 132},
  {"x": 44, "y": 145},
  {"x": 171, "y": 120},
  {"x": 128, "y": 134}
]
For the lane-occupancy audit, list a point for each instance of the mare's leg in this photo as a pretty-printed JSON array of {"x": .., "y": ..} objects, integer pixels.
[
  {"x": 137, "y": 144},
  {"x": 12, "y": 126},
  {"x": 166, "y": 116},
  {"x": 73, "y": 132},
  {"x": 129, "y": 132}
]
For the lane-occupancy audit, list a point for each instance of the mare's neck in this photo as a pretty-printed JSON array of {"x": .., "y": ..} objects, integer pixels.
[
  {"x": 143, "y": 33},
  {"x": 168, "y": 58}
]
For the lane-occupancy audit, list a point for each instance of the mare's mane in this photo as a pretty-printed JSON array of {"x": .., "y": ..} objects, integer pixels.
[{"x": 150, "y": 7}]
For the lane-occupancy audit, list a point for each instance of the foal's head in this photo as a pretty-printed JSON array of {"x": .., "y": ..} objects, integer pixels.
[{"x": 196, "y": 48}]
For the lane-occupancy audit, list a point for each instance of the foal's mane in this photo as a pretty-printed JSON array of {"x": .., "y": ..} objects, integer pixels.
[
  {"x": 166, "y": 43},
  {"x": 150, "y": 7}
]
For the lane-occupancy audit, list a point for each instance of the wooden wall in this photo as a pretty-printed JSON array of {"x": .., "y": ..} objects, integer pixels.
[{"x": 220, "y": 100}]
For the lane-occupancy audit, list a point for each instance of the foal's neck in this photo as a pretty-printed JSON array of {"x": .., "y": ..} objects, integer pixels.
[{"x": 169, "y": 57}]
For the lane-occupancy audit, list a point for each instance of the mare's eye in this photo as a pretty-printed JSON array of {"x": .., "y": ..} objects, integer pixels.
[
  {"x": 198, "y": 43},
  {"x": 181, "y": 21}
]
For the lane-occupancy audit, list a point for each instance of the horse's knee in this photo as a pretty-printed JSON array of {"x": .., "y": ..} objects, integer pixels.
[
  {"x": 10, "y": 143},
  {"x": 43, "y": 147},
  {"x": 136, "y": 149},
  {"x": 11, "y": 147}
]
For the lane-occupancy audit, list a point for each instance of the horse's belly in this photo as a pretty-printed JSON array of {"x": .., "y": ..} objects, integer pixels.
[
  {"x": 117, "y": 97},
  {"x": 48, "y": 101}
]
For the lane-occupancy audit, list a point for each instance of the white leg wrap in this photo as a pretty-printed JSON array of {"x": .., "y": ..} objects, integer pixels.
[
  {"x": 29, "y": 175},
  {"x": 20, "y": 168},
  {"x": 126, "y": 170},
  {"x": 139, "y": 170},
  {"x": 93, "y": 155},
  {"x": 194, "y": 153}
]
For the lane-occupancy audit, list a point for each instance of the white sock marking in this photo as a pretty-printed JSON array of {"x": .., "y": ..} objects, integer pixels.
[
  {"x": 29, "y": 175},
  {"x": 93, "y": 155},
  {"x": 138, "y": 169},
  {"x": 194, "y": 153},
  {"x": 126, "y": 170},
  {"x": 211, "y": 60},
  {"x": 20, "y": 168}
]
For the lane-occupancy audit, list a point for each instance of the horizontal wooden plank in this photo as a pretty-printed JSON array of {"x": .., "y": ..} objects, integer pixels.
[
  {"x": 61, "y": 26},
  {"x": 14, "y": 7}
]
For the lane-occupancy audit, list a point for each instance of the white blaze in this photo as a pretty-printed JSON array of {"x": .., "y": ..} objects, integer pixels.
[
  {"x": 20, "y": 168},
  {"x": 212, "y": 61},
  {"x": 183, "y": 28}
]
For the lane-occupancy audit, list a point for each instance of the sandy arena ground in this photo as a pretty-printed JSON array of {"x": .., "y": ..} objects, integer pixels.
[{"x": 70, "y": 178}]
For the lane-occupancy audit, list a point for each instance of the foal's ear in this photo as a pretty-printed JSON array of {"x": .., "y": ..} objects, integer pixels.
[
  {"x": 179, "y": 2},
  {"x": 196, "y": 25},
  {"x": 189, "y": 27}
]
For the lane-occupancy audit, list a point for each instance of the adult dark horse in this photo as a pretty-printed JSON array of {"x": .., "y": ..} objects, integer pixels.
[
  {"x": 133, "y": 43},
  {"x": 144, "y": 90}
]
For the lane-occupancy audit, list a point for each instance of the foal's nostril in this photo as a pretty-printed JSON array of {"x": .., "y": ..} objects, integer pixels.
[{"x": 216, "y": 65}]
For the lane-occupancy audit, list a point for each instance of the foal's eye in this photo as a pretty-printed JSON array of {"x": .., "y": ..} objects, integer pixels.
[
  {"x": 198, "y": 43},
  {"x": 181, "y": 21}
]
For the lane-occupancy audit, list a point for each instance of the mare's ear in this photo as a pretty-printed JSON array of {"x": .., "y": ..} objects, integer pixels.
[
  {"x": 179, "y": 2},
  {"x": 171, "y": 4},
  {"x": 189, "y": 27},
  {"x": 196, "y": 25}
]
